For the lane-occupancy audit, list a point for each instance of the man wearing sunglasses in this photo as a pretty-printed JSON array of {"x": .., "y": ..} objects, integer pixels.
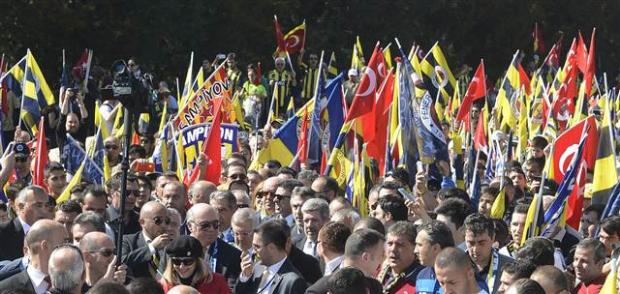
[
  {"x": 174, "y": 196},
  {"x": 226, "y": 204},
  {"x": 98, "y": 250},
  {"x": 221, "y": 257},
  {"x": 236, "y": 172},
  {"x": 283, "y": 200},
  {"x": 143, "y": 251},
  {"x": 22, "y": 163},
  {"x": 130, "y": 217},
  {"x": 112, "y": 151}
]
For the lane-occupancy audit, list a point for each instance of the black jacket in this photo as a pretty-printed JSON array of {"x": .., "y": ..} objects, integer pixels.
[
  {"x": 228, "y": 260},
  {"x": 287, "y": 281},
  {"x": 137, "y": 256},
  {"x": 19, "y": 281},
  {"x": 307, "y": 265},
  {"x": 12, "y": 244},
  {"x": 321, "y": 286}
]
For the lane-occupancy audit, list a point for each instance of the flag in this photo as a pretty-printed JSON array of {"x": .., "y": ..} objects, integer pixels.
[
  {"x": 539, "y": 42},
  {"x": 590, "y": 65},
  {"x": 290, "y": 108},
  {"x": 74, "y": 157},
  {"x": 75, "y": 180},
  {"x": 302, "y": 147},
  {"x": 12, "y": 79},
  {"x": 187, "y": 85},
  {"x": 534, "y": 219},
  {"x": 566, "y": 144},
  {"x": 41, "y": 157},
  {"x": 199, "y": 107},
  {"x": 295, "y": 39},
  {"x": 611, "y": 281},
  {"x": 357, "y": 58},
  {"x": 410, "y": 140},
  {"x": 373, "y": 77},
  {"x": 283, "y": 146},
  {"x": 332, "y": 67},
  {"x": 64, "y": 83},
  {"x": 35, "y": 96},
  {"x": 387, "y": 56},
  {"x": 438, "y": 78},
  {"x": 480, "y": 135},
  {"x": 510, "y": 84},
  {"x": 335, "y": 108},
  {"x": 316, "y": 130},
  {"x": 605, "y": 172},
  {"x": 613, "y": 203},
  {"x": 281, "y": 44},
  {"x": 376, "y": 144},
  {"x": 581, "y": 54},
  {"x": 499, "y": 205},
  {"x": 212, "y": 149},
  {"x": 476, "y": 90}
]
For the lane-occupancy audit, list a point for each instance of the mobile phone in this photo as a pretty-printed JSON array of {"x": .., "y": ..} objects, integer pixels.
[
  {"x": 408, "y": 195},
  {"x": 419, "y": 166}
]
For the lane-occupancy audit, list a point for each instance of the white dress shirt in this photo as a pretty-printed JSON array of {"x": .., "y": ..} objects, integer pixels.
[
  {"x": 333, "y": 265},
  {"x": 310, "y": 248},
  {"x": 37, "y": 278},
  {"x": 25, "y": 226}
]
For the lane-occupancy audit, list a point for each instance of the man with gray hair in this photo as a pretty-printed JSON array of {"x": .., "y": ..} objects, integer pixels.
[
  {"x": 349, "y": 217},
  {"x": 200, "y": 191},
  {"x": 588, "y": 262},
  {"x": 315, "y": 214},
  {"x": 85, "y": 223},
  {"x": 243, "y": 223},
  {"x": 30, "y": 206},
  {"x": 40, "y": 241},
  {"x": 66, "y": 269},
  {"x": 226, "y": 204}
]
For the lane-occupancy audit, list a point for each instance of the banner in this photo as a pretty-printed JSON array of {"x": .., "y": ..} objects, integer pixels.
[
  {"x": 199, "y": 106},
  {"x": 193, "y": 136}
]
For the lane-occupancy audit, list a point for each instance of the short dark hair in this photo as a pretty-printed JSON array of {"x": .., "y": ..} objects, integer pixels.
[
  {"x": 538, "y": 250},
  {"x": 521, "y": 208},
  {"x": 452, "y": 256},
  {"x": 554, "y": 275},
  {"x": 334, "y": 236},
  {"x": 527, "y": 286},
  {"x": 456, "y": 209},
  {"x": 371, "y": 223},
  {"x": 597, "y": 208},
  {"x": 287, "y": 171},
  {"x": 404, "y": 228},
  {"x": 447, "y": 193},
  {"x": 92, "y": 219},
  {"x": 540, "y": 142},
  {"x": 144, "y": 285},
  {"x": 330, "y": 183},
  {"x": 438, "y": 233},
  {"x": 479, "y": 224},
  {"x": 519, "y": 269},
  {"x": 400, "y": 174},
  {"x": 596, "y": 246},
  {"x": 611, "y": 225},
  {"x": 290, "y": 184},
  {"x": 135, "y": 148},
  {"x": 52, "y": 167},
  {"x": 272, "y": 232},
  {"x": 307, "y": 175},
  {"x": 395, "y": 206},
  {"x": 70, "y": 206},
  {"x": 347, "y": 280},
  {"x": 226, "y": 196},
  {"x": 114, "y": 184},
  {"x": 145, "y": 179},
  {"x": 360, "y": 241},
  {"x": 490, "y": 190},
  {"x": 390, "y": 186}
]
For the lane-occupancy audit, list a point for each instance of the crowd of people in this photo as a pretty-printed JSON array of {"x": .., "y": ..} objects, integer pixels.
[{"x": 275, "y": 228}]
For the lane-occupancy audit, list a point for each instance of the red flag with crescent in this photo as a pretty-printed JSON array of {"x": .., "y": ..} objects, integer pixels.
[
  {"x": 374, "y": 74},
  {"x": 567, "y": 144},
  {"x": 477, "y": 90},
  {"x": 295, "y": 39}
]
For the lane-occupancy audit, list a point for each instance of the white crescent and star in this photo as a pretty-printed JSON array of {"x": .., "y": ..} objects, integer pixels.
[{"x": 371, "y": 80}]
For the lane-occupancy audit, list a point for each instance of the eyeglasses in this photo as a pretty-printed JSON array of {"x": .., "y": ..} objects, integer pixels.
[
  {"x": 133, "y": 192},
  {"x": 208, "y": 225},
  {"x": 265, "y": 193},
  {"x": 21, "y": 159},
  {"x": 184, "y": 261},
  {"x": 238, "y": 177},
  {"x": 242, "y": 205},
  {"x": 105, "y": 252},
  {"x": 111, "y": 147},
  {"x": 374, "y": 206},
  {"x": 159, "y": 220},
  {"x": 280, "y": 197}
]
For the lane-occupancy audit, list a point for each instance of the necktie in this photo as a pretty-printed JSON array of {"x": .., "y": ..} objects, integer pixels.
[
  {"x": 48, "y": 281},
  {"x": 154, "y": 264},
  {"x": 264, "y": 280}
]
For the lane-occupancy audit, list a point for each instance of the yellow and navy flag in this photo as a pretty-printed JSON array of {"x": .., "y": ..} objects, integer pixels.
[
  {"x": 332, "y": 67},
  {"x": 438, "y": 78},
  {"x": 605, "y": 173},
  {"x": 14, "y": 77},
  {"x": 187, "y": 85},
  {"x": 507, "y": 91},
  {"x": 499, "y": 205},
  {"x": 534, "y": 219},
  {"x": 357, "y": 58},
  {"x": 35, "y": 96}
]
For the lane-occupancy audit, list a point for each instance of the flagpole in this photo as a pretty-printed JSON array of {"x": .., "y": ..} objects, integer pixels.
[
  {"x": 21, "y": 108},
  {"x": 317, "y": 103},
  {"x": 88, "y": 64}
]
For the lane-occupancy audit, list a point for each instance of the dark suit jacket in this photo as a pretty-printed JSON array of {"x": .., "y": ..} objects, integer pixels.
[
  {"x": 228, "y": 260},
  {"x": 307, "y": 265},
  {"x": 287, "y": 281},
  {"x": 9, "y": 268},
  {"x": 137, "y": 256},
  {"x": 12, "y": 244},
  {"x": 321, "y": 286},
  {"x": 131, "y": 227},
  {"x": 18, "y": 281}
]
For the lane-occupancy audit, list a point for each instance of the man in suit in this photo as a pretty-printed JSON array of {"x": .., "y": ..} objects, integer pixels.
[
  {"x": 98, "y": 251},
  {"x": 275, "y": 274},
  {"x": 298, "y": 198},
  {"x": 130, "y": 217},
  {"x": 66, "y": 270},
  {"x": 221, "y": 257},
  {"x": 30, "y": 206},
  {"x": 41, "y": 239},
  {"x": 364, "y": 250},
  {"x": 315, "y": 214},
  {"x": 143, "y": 251},
  {"x": 331, "y": 241}
]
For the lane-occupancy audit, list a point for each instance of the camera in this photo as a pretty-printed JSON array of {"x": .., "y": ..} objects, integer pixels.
[{"x": 133, "y": 92}]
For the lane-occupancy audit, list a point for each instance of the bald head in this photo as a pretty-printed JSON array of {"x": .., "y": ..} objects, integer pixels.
[
  {"x": 183, "y": 289},
  {"x": 94, "y": 241},
  {"x": 201, "y": 210},
  {"x": 200, "y": 191},
  {"x": 66, "y": 269},
  {"x": 203, "y": 222},
  {"x": 150, "y": 208},
  {"x": 45, "y": 231},
  {"x": 154, "y": 219}
]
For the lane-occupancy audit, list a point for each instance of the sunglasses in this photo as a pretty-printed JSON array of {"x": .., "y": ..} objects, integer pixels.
[
  {"x": 159, "y": 220},
  {"x": 242, "y": 205},
  {"x": 280, "y": 197},
  {"x": 238, "y": 177},
  {"x": 111, "y": 147},
  {"x": 374, "y": 206},
  {"x": 105, "y": 252},
  {"x": 265, "y": 193},
  {"x": 208, "y": 225},
  {"x": 184, "y": 261}
]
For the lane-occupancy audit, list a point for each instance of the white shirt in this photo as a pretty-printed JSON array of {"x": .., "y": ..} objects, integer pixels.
[
  {"x": 271, "y": 272},
  {"x": 310, "y": 248},
  {"x": 25, "y": 226},
  {"x": 333, "y": 264},
  {"x": 37, "y": 278}
]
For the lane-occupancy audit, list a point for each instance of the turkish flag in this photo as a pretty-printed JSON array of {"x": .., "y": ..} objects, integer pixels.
[
  {"x": 212, "y": 149},
  {"x": 295, "y": 39},
  {"x": 566, "y": 146},
  {"x": 590, "y": 65},
  {"x": 480, "y": 137},
  {"x": 374, "y": 74},
  {"x": 279, "y": 36},
  {"x": 477, "y": 89},
  {"x": 581, "y": 54},
  {"x": 375, "y": 128},
  {"x": 41, "y": 158}
]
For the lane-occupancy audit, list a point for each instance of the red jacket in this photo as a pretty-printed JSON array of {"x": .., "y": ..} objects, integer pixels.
[{"x": 217, "y": 286}]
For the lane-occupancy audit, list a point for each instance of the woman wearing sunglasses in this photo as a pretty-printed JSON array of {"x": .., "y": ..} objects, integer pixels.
[{"x": 185, "y": 266}]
